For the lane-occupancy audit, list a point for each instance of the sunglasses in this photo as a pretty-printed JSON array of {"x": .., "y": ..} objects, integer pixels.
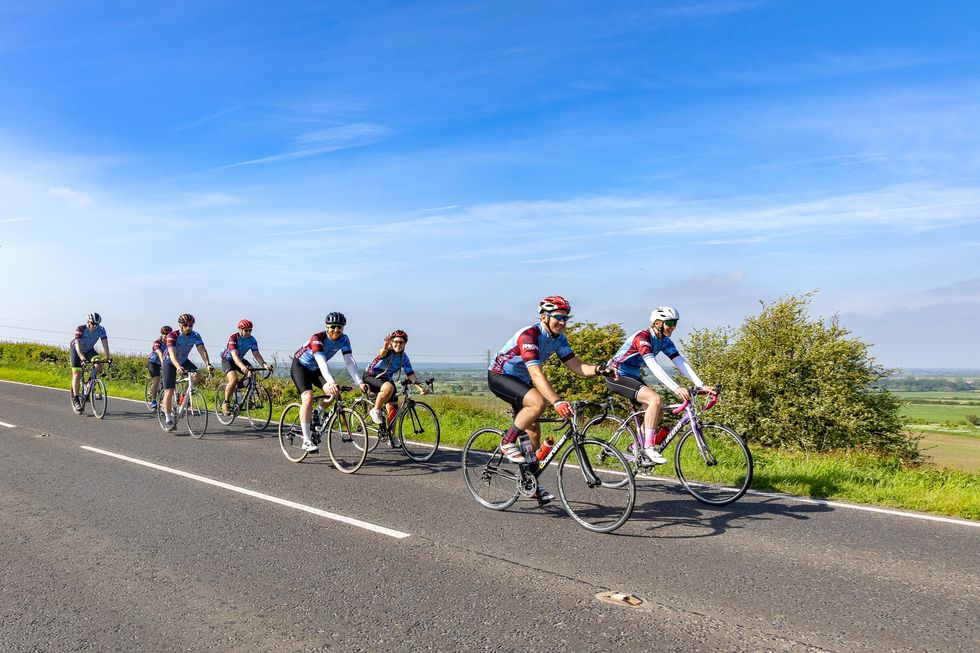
[
  {"x": 670, "y": 323},
  {"x": 335, "y": 327},
  {"x": 558, "y": 316},
  {"x": 246, "y": 331}
]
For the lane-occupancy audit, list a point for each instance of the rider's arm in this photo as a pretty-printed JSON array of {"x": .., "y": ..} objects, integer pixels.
[
  {"x": 681, "y": 363},
  {"x": 580, "y": 368},
  {"x": 660, "y": 373},
  {"x": 203, "y": 351},
  {"x": 321, "y": 362},
  {"x": 540, "y": 381},
  {"x": 352, "y": 368},
  {"x": 105, "y": 347},
  {"x": 237, "y": 360}
]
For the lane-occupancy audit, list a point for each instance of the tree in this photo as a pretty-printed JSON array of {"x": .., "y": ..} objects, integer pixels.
[
  {"x": 592, "y": 343},
  {"x": 790, "y": 380}
]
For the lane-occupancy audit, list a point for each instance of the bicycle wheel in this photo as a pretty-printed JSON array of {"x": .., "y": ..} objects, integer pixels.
[
  {"x": 598, "y": 501},
  {"x": 99, "y": 399},
  {"x": 258, "y": 407},
  {"x": 418, "y": 431},
  {"x": 196, "y": 414},
  {"x": 619, "y": 435},
  {"x": 489, "y": 476},
  {"x": 346, "y": 438},
  {"x": 148, "y": 394},
  {"x": 291, "y": 434},
  {"x": 722, "y": 472},
  {"x": 161, "y": 416},
  {"x": 361, "y": 407},
  {"x": 219, "y": 397}
]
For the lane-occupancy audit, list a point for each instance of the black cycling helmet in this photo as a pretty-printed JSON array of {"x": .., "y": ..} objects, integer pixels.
[{"x": 335, "y": 318}]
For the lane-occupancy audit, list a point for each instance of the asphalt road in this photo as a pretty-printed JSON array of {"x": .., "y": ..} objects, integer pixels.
[{"x": 101, "y": 553}]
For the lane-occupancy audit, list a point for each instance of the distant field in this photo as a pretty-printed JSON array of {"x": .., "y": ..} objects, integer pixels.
[{"x": 955, "y": 451}]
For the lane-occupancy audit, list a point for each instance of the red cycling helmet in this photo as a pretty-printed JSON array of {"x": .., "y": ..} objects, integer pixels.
[
  {"x": 186, "y": 319},
  {"x": 398, "y": 333},
  {"x": 554, "y": 303},
  {"x": 245, "y": 324},
  {"x": 165, "y": 329}
]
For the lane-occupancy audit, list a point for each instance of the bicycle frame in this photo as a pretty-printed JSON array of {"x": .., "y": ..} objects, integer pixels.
[
  {"x": 250, "y": 384},
  {"x": 571, "y": 433}
]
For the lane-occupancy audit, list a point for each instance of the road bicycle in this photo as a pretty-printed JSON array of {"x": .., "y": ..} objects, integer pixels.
[
  {"x": 93, "y": 388},
  {"x": 152, "y": 401},
  {"x": 249, "y": 396},
  {"x": 712, "y": 461},
  {"x": 341, "y": 428},
  {"x": 414, "y": 428},
  {"x": 189, "y": 403},
  {"x": 595, "y": 484}
]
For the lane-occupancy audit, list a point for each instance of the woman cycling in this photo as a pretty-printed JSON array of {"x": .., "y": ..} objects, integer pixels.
[
  {"x": 233, "y": 359},
  {"x": 153, "y": 362},
  {"x": 643, "y": 347},
  {"x": 385, "y": 366},
  {"x": 309, "y": 370}
]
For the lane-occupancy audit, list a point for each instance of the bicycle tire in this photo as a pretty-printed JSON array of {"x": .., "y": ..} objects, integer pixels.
[
  {"x": 258, "y": 408},
  {"x": 361, "y": 406},
  {"x": 598, "y": 508},
  {"x": 618, "y": 434},
  {"x": 219, "y": 397},
  {"x": 346, "y": 438},
  {"x": 147, "y": 394},
  {"x": 489, "y": 476},
  {"x": 714, "y": 484},
  {"x": 291, "y": 434},
  {"x": 196, "y": 414},
  {"x": 99, "y": 399},
  {"x": 423, "y": 441},
  {"x": 161, "y": 416}
]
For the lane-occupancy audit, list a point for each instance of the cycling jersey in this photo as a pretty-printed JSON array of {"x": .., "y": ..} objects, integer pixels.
[
  {"x": 182, "y": 344},
  {"x": 629, "y": 359},
  {"x": 159, "y": 345},
  {"x": 319, "y": 342},
  {"x": 243, "y": 344},
  {"x": 532, "y": 345},
  {"x": 87, "y": 339},
  {"x": 385, "y": 367}
]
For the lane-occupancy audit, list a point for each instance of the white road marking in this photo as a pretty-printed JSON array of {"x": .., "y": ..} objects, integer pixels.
[
  {"x": 9, "y": 426},
  {"x": 258, "y": 495}
]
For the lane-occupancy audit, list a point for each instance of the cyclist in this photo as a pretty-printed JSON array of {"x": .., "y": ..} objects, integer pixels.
[
  {"x": 233, "y": 358},
  {"x": 81, "y": 349},
  {"x": 157, "y": 349},
  {"x": 309, "y": 369},
  {"x": 385, "y": 366},
  {"x": 516, "y": 377},
  {"x": 643, "y": 347},
  {"x": 179, "y": 345}
]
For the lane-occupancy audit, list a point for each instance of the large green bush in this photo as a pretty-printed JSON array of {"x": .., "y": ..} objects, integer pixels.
[{"x": 790, "y": 380}]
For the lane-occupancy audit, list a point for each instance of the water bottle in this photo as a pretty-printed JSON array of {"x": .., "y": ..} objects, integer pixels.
[
  {"x": 661, "y": 436},
  {"x": 545, "y": 448},
  {"x": 526, "y": 446}
]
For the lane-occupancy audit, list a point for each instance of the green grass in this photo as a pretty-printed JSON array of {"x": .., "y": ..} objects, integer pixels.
[{"x": 848, "y": 477}]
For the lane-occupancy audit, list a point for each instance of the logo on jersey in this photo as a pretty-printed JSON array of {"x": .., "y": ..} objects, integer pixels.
[{"x": 530, "y": 346}]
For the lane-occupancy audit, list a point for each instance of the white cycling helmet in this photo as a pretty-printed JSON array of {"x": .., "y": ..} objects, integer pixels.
[
  {"x": 94, "y": 318},
  {"x": 664, "y": 313}
]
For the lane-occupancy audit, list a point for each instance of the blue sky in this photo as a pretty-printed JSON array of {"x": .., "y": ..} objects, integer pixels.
[{"x": 440, "y": 166}]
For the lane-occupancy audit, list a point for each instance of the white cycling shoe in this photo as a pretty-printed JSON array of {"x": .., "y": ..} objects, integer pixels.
[
  {"x": 375, "y": 415},
  {"x": 513, "y": 453},
  {"x": 654, "y": 456},
  {"x": 310, "y": 447}
]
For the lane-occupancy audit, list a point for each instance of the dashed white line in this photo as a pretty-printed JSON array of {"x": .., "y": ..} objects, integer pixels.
[
  {"x": 9, "y": 426},
  {"x": 258, "y": 495}
]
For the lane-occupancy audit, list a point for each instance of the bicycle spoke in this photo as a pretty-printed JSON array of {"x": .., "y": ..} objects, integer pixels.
[
  {"x": 594, "y": 493},
  {"x": 720, "y": 471}
]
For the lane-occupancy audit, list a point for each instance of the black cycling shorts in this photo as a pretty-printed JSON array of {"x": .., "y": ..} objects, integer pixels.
[
  {"x": 625, "y": 386},
  {"x": 509, "y": 388},
  {"x": 75, "y": 360},
  {"x": 170, "y": 373},
  {"x": 305, "y": 378},
  {"x": 154, "y": 369},
  {"x": 229, "y": 365},
  {"x": 375, "y": 384}
]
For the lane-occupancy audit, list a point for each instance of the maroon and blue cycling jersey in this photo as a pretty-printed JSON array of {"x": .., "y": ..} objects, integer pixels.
[
  {"x": 243, "y": 344},
  {"x": 86, "y": 339},
  {"x": 629, "y": 359},
  {"x": 319, "y": 342},
  {"x": 532, "y": 345},
  {"x": 182, "y": 344},
  {"x": 385, "y": 367},
  {"x": 159, "y": 345}
]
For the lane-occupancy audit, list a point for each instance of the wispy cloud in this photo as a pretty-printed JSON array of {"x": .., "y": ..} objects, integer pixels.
[
  {"x": 15, "y": 220},
  {"x": 323, "y": 142},
  {"x": 76, "y": 197}
]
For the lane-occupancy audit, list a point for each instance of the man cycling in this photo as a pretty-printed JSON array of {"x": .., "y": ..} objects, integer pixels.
[
  {"x": 380, "y": 373},
  {"x": 81, "y": 349},
  {"x": 309, "y": 370},
  {"x": 158, "y": 350},
  {"x": 179, "y": 345},
  {"x": 516, "y": 377},
  {"x": 233, "y": 358},
  {"x": 643, "y": 347}
]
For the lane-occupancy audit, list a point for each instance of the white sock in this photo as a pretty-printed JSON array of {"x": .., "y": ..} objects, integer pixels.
[{"x": 306, "y": 431}]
